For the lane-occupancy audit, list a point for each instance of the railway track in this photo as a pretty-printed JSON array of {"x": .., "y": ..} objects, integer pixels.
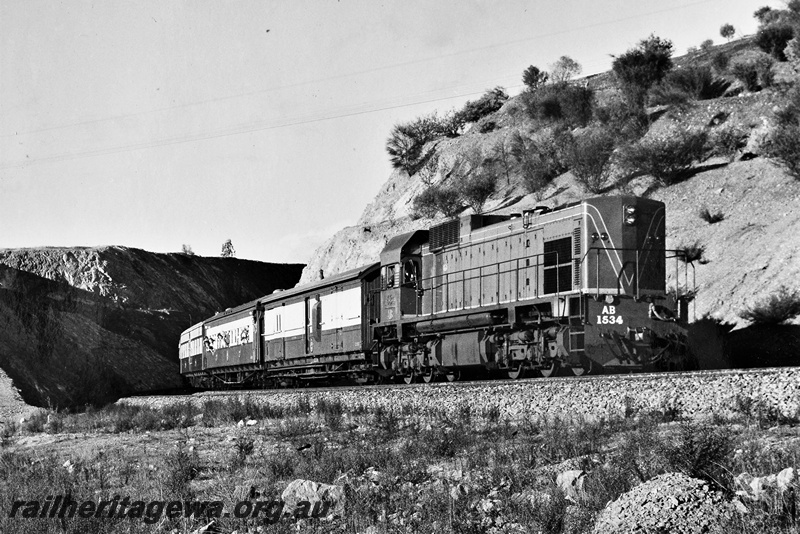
[{"x": 498, "y": 383}]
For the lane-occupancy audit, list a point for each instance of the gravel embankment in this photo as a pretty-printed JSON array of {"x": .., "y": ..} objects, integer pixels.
[{"x": 700, "y": 394}]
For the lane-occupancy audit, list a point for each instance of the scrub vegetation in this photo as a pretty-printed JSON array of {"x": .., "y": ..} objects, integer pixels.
[
  {"x": 605, "y": 133},
  {"x": 401, "y": 470}
]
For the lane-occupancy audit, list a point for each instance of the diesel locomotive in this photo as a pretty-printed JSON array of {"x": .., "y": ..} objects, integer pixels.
[{"x": 573, "y": 290}]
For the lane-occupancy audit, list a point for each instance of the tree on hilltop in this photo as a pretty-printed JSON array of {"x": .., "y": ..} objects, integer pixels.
[
  {"x": 532, "y": 77},
  {"x": 228, "y": 250},
  {"x": 727, "y": 31},
  {"x": 564, "y": 69}
]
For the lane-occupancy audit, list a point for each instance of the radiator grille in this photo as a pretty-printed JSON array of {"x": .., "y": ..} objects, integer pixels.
[{"x": 444, "y": 234}]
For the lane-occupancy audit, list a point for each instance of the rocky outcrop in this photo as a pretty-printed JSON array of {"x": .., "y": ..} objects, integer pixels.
[{"x": 91, "y": 324}]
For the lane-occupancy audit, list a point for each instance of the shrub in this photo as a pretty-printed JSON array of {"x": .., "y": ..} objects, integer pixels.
[
  {"x": 668, "y": 95},
  {"x": 727, "y": 140},
  {"x": 540, "y": 159},
  {"x": 624, "y": 122},
  {"x": 668, "y": 158},
  {"x": 638, "y": 69},
  {"x": 560, "y": 103},
  {"x": 792, "y": 52},
  {"x": 533, "y": 78},
  {"x": 491, "y": 101},
  {"x": 780, "y": 307},
  {"x": 690, "y": 253},
  {"x": 437, "y": 199},
  {"x": 332, "y": 412},
  {"x": 589, "y": 158},
  {"x": 753, "y": 69},
  {"x": 711, "y": 218},
  {"x": 476, "y": 188},
  {"x": 765, "y": 14},
  {"x": 696, "y": 82},
  {"x": 720, "y": 61},
  {"x": 182, "y": 466},
  {"x": 706, "y": 45},
  {"x": 784, "y": 139},
  {"x": 486, "y": 126},
  {"x": 772, "y": 38},
  {"x": 406, "y": 141},
  {"x": 702, "y": 451}
]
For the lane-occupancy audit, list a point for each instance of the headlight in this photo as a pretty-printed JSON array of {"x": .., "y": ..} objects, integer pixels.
[{"x": 629, "y": 214}]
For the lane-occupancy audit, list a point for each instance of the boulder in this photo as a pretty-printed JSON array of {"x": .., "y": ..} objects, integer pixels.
[
  {"x": 673, "y": 503},
  {"x": 571, "y": 484},
  {"x": 325, "y": 499}
]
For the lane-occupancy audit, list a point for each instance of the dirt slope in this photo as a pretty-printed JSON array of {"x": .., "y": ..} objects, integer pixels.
[{"x": 81, "y": 325}]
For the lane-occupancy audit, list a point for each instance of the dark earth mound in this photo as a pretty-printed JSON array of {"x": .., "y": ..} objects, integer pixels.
[{"x": 87, "y": 325}]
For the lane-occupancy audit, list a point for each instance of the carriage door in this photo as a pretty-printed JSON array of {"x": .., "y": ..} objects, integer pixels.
[
  {"x": 410, "y": 298},
  {"x": 313, "y": 330}
]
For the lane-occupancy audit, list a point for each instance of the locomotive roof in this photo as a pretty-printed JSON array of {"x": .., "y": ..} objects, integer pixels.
[{"x": 345, "y": 276}]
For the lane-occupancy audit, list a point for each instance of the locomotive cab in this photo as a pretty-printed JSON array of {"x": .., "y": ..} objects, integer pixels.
[{"x": 401, "y": 268}]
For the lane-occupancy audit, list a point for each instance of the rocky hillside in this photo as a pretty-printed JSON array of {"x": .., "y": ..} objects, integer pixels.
[
  {"x": 82, "y": 325},
  {"x": 747, "y": 256}
]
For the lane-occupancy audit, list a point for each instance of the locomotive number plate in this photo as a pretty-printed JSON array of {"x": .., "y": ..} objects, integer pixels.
[{"x": 609, "y": 316}]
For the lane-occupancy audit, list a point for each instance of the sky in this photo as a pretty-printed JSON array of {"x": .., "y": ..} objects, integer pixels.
[{"x": 161, "y": 123}]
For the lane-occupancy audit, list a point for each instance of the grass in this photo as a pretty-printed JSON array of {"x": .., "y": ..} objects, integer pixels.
[
  {"x": 711, "y": 218},
  {"x": 402, "y": 470}
]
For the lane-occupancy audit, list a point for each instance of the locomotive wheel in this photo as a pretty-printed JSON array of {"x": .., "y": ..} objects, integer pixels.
[
  {"x": 453, "y": 375},
  {"x": 518, "y": 372},
  {"x": 586, "y": 368},
  {"x": 579, "y": 371},
  {"x": 428, "y": 375},
  {"x": 549, "y": 371}
]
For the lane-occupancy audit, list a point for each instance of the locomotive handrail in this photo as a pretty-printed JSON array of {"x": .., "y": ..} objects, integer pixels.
[
  {"x": 477, "y": 273},
  {"x": 676, "y": 254},
  {"x": 447, "y": 282}
]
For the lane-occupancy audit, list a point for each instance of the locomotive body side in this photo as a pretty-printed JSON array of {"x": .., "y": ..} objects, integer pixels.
[{"x": 519, "y": 293}]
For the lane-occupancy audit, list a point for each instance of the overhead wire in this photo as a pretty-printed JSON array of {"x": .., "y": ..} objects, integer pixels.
[
  {"x": 356, "y": 73},
  {"x": 297, "y": 121}
]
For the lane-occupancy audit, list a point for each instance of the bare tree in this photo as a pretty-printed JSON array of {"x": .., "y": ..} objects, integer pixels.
[
  {"x": 501, "y": 153},
  {"x": 564, "y": 69}
]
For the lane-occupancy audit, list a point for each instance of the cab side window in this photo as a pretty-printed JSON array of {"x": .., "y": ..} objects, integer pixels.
[
  {"x": 410, "y": 272},
  {"x": 390, "y": 275}
]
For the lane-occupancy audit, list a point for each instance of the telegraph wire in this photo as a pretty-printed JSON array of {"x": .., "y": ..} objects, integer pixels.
[
  {"x": 216, "y": 134},
  {"x": 356, "y": 73}
]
